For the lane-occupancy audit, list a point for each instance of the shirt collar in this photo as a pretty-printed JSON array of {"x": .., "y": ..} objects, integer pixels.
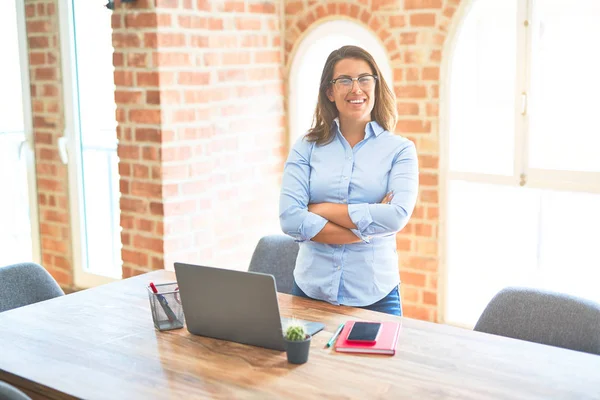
[{"x": 372, "y": 128}]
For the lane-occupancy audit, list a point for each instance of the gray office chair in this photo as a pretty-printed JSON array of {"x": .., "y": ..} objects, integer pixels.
[
  {"x": 544, "y": 317},
  {"x": 9, "y": 392},
  {"x": 26, "y": 283},
  {"x": 276, "y": 255}
]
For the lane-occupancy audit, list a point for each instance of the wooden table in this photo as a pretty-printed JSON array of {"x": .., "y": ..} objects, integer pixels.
[{"x": 101, "y": 344}]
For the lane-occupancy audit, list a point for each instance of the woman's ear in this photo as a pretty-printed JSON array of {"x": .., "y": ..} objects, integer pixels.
[{"x": 329, "y": 94}]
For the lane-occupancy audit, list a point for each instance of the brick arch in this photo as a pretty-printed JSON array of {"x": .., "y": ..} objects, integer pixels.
[
  {"x": 414, "y": 33},
  {"x": 321, "y": 13}
]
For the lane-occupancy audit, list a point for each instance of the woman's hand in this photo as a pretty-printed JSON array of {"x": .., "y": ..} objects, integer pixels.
[{"x": 388, "y": 198}]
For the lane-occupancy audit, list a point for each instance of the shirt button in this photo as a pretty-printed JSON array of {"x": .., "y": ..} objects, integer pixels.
[
  {"x": 344, "y": 177},
  {"x": 337, "y": 267},
  {"x": 344, "y": 200}
]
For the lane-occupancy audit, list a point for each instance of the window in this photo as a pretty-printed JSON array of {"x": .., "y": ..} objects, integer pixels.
[
  {"x": 522, "y": 166},
  {"x": 91, "y": 140},
  {"x": 308, "y": 62},
  {"x": 19, "y": 232}
]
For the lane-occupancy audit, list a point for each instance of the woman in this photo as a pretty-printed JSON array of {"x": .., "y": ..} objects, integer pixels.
[{"x": 348, "y": 187}]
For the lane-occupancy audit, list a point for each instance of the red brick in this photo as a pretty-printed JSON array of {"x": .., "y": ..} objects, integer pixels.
[
  {"x": 148, "y": 243},
  {"x": 293, "y": 7},
  {"x": 171, "y": 59},
  {"x": 408, "y": 108},
  {"x": 422, "y": 4},
  {"x": 410, "y": 294},
  {"x": 431, "y": 73},
  {"x": 203, "y": 5},
  {"x": 425, "y": 20},
  {"x": 146, "y": 116},
  {"x": 233, "y": 6},
  {"x": 215, "y": 24},
  {"x": 39, "y": 42},
  {"x": 413, "y": 126},
  {"x": 151, "y": 153},
  {"x": 45, "y": 74},
  {"x": 247, "y": 24},
  {"x": 403, "y": 244},
  {"x": 128, "y": 97},
  {"x": 412, "y": 278},
  {"x": 141, "y": 20},
  {"x": 430, "y": 298},
  {"x": 410, "y": 91},
  {"x": 429, "y": 196},
  {"x": 192, "y": 22},
  {"x": 388, "y": 5},
  {"x": 194, "y": 78},
  {"x": 133, "y": 205},
  {"x": 134, "y": 257},
  {"x": 171, "y": 40},
  {"x": 124, "y": 40},
  {"x": 127, "y": 152},
  {"x": 428, "y": 179},
  {"x": 418, "y": 312},
  {"x": 426, "y": 161},
  {"x": 123, "y": 78},
  {"x": 264, "y": 7},
  {"x": 433, "y": 213}
]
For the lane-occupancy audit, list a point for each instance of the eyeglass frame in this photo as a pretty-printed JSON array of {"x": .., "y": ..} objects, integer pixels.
[{"x": 333, "y": 81}]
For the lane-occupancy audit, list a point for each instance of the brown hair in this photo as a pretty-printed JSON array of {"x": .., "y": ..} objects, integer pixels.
[{"x": 384, "y": 110}]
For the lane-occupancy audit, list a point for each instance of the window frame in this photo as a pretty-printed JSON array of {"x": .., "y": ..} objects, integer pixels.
[
  {"x": 523, "y": 175},
  {"x": 71, "y": 152}
]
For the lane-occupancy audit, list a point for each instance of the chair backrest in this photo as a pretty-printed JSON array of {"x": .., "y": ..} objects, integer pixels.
[
  {"x": 276, "y": 255},
  {"x": 26, "y": 283},
  {"x": 9, "y": 392},
  {"x": 543, "y": 317}
]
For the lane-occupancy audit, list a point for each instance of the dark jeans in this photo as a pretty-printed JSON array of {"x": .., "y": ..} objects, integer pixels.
[{"x": 390, "y": 304}]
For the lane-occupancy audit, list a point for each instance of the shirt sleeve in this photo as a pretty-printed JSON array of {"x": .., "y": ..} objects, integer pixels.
[
  {"x": 382, "y": 219},
  {"x": 294, "y": 217}
]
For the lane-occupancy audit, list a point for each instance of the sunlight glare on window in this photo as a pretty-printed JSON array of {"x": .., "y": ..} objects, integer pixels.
[
  {"x": 564, "y": 129},
  {"x": 482, "y": 87}
]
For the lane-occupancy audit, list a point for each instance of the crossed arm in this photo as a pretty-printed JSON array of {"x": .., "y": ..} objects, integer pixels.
[
  {"x": 332, "y": 223},
  {"x": 340, "y": 225}
]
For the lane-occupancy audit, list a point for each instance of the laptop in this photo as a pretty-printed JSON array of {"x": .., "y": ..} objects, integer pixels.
[{"x": 237, "y": 306}]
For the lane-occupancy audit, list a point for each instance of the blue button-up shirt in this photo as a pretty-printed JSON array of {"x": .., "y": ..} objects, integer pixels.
[{"x": 356, "y": 274}]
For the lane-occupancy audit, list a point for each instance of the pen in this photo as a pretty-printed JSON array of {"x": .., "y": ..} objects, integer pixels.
[
  {"x": 335, "y": 335},
  {"x": 164, "y": 303}
]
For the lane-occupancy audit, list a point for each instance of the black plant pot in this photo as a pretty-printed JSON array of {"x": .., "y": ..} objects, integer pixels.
[{"x": 297, "y": 351}]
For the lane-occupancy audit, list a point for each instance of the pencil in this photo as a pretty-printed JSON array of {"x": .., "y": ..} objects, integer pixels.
[{"x": 335, "y": 335}]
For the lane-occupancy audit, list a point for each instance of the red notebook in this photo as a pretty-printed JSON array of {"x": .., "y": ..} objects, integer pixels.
[{"x": 385, "y": 343}]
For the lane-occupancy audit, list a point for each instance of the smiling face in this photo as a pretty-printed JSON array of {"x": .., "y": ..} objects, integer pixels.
[{"x": 355, "y": 103}]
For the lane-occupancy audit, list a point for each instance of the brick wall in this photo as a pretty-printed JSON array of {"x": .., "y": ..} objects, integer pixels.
[
  {"x": 413, "y": 32},
  {"x": 48, "y": 122},
  {"x": 202, "y": 126},
  {"x": 201, "y": 129}
]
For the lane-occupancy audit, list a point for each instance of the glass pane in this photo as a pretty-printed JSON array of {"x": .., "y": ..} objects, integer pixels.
[
  {"x": 482, "y": 90},
  {"x": 491, "y": 243},
  {"x": 15, "y": 225},
  {"x": 565, "y": 85},
  {"x": 95, "y": 84},
  {"x": 500, "y": 236},
  {"x": 570, "y": 239},
  {"x": 11, "y": 100}
]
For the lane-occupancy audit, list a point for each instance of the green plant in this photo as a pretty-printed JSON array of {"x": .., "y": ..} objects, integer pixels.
[{"x": 295, "y": 331}]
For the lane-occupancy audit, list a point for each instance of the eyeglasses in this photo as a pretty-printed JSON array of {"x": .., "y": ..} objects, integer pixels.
[{"x": 365, "y": 82}]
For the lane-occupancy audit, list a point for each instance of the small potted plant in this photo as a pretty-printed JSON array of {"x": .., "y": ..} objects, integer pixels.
[{"x": 297, "y": 342}]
